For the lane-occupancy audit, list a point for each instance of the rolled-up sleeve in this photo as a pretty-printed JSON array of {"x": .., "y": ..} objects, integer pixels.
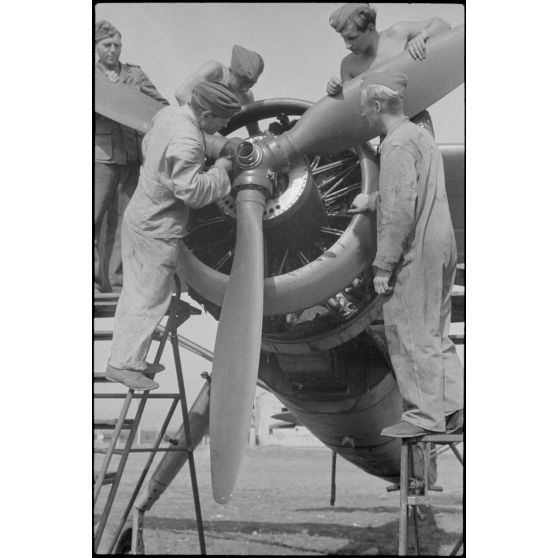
[
  {"x": 190, "y": 184},
  {"x": 398, "y": 194}
]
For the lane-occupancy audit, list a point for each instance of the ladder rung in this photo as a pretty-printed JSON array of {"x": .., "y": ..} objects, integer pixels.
[
  {"x": 108, "y": 424},
  {"x": 102, "y": 335},
  {"x": 109, "y": 478},
  {"x": 106, "y": 335},
  {"x": 442, "y": 438},
  {"x": 104, "y": 305}
]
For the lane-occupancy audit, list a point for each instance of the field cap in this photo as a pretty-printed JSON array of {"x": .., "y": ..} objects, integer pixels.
[
  {"x": 246, "y": 64},
  {"x": 104, "y": 29},
  {"x": 217, "y": 98}
]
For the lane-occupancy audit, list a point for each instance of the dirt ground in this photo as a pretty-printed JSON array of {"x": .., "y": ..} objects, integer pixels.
[{"x": 281, "y": 507}]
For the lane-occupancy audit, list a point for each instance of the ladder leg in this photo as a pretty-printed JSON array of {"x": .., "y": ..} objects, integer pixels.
[
  {"x": 416, "y": 491},
  {"x": 144, "y": 473},
  {"x": 415, "y": 524},
  {"x": 112, "y": 445},
  {"x": 457, "y": 546},
  {"x": 137, "y": 532},
  {"x": 191, "y": 464},
  {"x": 333, "y": 471},
  {"x": 123, "y": 460},
  {"x": 456, "y": 453},
  {"x": 172, "y": 324},
  {"x": 404, "y": 498}
]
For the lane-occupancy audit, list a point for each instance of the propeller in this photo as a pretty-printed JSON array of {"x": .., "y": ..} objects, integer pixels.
[
  {"x": 237, "y": 347},
  {"x": 125, "y": 104}
]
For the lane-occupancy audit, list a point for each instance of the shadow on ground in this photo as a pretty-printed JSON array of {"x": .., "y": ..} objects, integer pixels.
[{"x": 360, "y": 539}]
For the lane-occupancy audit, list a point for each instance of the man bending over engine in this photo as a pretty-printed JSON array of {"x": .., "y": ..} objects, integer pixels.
[
  {"x": 415, "y": 261},
  {"x": 171, "y": 182}
]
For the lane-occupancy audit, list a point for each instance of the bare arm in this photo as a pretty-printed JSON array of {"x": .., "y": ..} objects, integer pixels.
[
  {"x": 210, "y": 71},
  {"x": 429, "y": 27},
  {"x": 417, "y": 33}
]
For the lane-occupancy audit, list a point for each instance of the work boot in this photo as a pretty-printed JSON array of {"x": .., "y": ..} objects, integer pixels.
[
  {"x": 455, "y": 422},
  {"x": 132, "y": 379},
  {"x": 405, "y": 429},
  {"x": 153, "y": 368}
]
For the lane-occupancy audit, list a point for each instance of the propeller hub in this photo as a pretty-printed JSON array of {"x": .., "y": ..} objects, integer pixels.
[
  {"x": 248, "y": 155},
  {"x": 290, "y": 192}
]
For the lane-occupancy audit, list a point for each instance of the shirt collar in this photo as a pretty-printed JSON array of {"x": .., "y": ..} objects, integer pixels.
[
  {"x": 189, "y": 113},
  {"x": 397, "y": 124},
  {"x": 111, "y": 75}
]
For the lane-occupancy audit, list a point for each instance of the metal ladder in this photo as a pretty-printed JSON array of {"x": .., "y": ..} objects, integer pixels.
[
  {"x": 415, "y": 499},
  {"x": 179, "y": 311}
]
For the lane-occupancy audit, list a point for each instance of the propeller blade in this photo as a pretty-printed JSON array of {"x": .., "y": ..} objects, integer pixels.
[
  {"x": 237, "y": 348},
  {"x": 125, "y": 104},
  {"x": 335, "y": 123}
]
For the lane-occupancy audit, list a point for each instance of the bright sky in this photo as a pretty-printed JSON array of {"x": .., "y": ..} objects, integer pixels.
[{"x": 301, "y": 51}]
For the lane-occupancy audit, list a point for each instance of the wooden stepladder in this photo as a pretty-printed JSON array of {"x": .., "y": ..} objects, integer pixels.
[{"x": 179, "y": 311}]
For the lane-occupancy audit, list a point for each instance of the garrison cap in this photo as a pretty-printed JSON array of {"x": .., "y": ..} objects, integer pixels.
[
  {"x": 104, "y": 29},
  {"x": 246, "y": 64},
  {"x": 217, "y": 98},
  {"x": 397, "y": 81},
  {"x": 340, "y": 17}
]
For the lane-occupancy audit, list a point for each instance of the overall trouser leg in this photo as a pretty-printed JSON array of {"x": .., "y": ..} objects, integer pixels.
[
  {"x": 412, "y": 319},
  {"x": 149, "y": 265},
  {"x": 453, "y": 368}
]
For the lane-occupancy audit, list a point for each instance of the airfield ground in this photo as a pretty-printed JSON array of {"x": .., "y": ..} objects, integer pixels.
[{"x": 281, "y": 507}]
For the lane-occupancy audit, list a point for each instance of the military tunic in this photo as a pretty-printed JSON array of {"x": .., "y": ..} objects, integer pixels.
[
  {"x": 117, "y": 161},
  {"x": 171, "y": 182},
  {"x": 416, "y": 242}
]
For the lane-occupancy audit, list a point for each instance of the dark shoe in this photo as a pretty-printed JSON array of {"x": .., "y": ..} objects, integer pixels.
[
  {"x": 153, "y": 368},
  {"x": 455, "y": 422},
  {"x": 132, "y": 379},
  {"x": 405, "y": 429}
]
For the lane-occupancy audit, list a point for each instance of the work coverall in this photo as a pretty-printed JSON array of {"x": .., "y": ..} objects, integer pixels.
[
  {"x": 416, "y": 242},
  {"x": 171, "y": 181},
  {"x": 117, "y": 162}
]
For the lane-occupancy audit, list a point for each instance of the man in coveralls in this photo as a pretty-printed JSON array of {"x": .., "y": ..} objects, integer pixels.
[
  {"x": 117, "y": 157},
  {"x": 356, "y": 23},
  {"x": 415, "y": 260},
  {"x": 171, "y": 182}
]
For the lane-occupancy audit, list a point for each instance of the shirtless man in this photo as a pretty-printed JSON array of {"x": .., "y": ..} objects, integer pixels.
[
  {"x": 243, "y": 73},
  {"x": 356, "y": 23}
]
